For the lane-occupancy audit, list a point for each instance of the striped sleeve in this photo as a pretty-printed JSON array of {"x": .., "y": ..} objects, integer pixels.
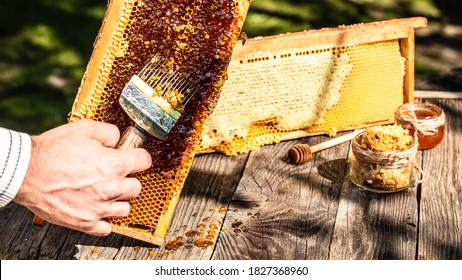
[{"x": 15, "y": 149}]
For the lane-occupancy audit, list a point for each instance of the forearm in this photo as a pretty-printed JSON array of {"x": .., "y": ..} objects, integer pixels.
[{"x": 15, "y": 150}]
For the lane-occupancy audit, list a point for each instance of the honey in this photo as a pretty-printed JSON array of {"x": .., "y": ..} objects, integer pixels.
[
  {"x": 237, "y": 223},
  {"x": 425, "y": 120},
  {"x": 191, "y": 233},
  {"x": 223, "y": 210},
  {"x": 203, "y": 243},
  {"x": 175, "y": 244}
]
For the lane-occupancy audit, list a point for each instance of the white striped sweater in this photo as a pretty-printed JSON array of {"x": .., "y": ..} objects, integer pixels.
[{"x": 15, "y": 149}]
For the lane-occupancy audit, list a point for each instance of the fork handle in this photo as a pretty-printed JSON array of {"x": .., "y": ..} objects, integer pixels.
[{"x": 133, "y": 137}]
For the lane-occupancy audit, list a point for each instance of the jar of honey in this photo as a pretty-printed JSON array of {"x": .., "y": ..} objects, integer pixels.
[
  {"x": 382, "y": 159},
  {"x": 426, "y": 120}
]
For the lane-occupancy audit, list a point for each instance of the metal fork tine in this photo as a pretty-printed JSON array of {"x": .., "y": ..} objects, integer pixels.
[
  {"x": 167, "y": 79},
  {"x": 150, "y": 75},
  {"x": 188, "y": 97},
  {"x": 156, "y": 73},
  {"x": 143, "y": 71},
  {"x": 183, "y": 87},
  {"x": 154, "y": 70},
  {"x": 172, "y": 76},
  {"x": 148, "y": 66},
  {"x": 178, "y": 83},
  {"x": 163, "y": 76}
]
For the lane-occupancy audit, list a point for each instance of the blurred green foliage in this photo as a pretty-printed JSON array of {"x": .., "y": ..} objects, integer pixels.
[
  {"x": 273, "y": 16},
  {"x": 46, "y": 44}
]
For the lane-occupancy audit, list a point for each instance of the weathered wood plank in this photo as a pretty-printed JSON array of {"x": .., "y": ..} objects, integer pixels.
[
  {"x": 86, "y": 247},
  {"x": 438, "y": 94},
  {"x": 375, "y": 226},
  {"x": 91, "y": 252},
  {"x": 199, "y": 215},
  {"x": 19, "y": 238},
  {"x": 281, "y": 210},
  {"x": 440, "y": 226}
]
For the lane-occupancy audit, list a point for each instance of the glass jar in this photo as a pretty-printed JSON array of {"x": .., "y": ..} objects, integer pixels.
[
  {"x": 381, "y": 171},
  {"x": 426, "y": 120}
]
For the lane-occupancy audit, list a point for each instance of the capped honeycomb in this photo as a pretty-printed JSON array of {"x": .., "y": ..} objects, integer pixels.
[
  {"x": 308, "y": 83},
  {"x": 196, "y": 37}
]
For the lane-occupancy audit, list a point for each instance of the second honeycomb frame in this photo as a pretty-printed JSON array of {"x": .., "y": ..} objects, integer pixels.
[{"x": 256, "y": 50}]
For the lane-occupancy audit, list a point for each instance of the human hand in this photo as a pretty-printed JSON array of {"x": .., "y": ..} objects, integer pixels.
[{"x": 76, "y": 179}]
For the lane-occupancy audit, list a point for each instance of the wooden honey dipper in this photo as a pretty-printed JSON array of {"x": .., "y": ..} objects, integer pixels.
[{"x": 301, "y": 153}]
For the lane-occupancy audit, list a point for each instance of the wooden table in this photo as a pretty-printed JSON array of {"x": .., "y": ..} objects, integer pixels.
[{"x": 259, "y": 206}]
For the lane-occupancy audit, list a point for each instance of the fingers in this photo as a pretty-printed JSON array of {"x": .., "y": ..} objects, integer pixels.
[
  {"x": 123, "y": 190},
  {"x": 118, "y": 209},
  {"x": 117, "y": 191},
  {"x": 103, "y": 227},
  {"x": 135, "y": 160},
  {"x": 107, "y": 134},
  {"x": 128, "y": 189}
]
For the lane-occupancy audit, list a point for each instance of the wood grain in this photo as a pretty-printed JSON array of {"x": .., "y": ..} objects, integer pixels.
[
  {"x": 200, "y": 212},
  {"x": 284, "y": 211},
  {"x": 440, "y": 226},
  {"x": 266, "y": 208},
  {"x": 375, "y": 226},
  {"x": 345, "y": 35}
]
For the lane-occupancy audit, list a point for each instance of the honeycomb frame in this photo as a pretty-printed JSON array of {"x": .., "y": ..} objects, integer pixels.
[
  {"x": 375, "y": 49},
  {"x": 133, "y": 31}
]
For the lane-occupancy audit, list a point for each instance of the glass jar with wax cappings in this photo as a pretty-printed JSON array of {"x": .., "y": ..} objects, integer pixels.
[
  {"x": 426, "y": 120},
  {"x": 382, "y": 159}
]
